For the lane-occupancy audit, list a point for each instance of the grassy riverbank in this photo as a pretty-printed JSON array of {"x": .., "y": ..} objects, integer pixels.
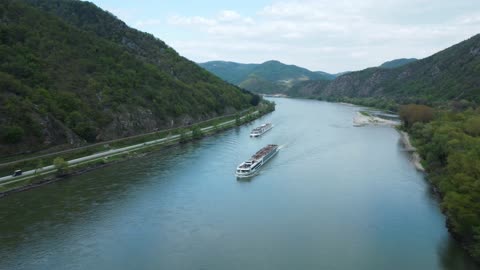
[{"x": 101, "y": 155}]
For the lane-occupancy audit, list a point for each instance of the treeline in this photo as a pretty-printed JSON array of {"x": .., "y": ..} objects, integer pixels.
[
  {"x": 92, "y": 78},
  {"x": 449, "y": 144}
]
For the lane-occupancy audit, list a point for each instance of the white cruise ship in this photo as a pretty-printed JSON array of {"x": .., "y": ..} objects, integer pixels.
[
  {"x": 250, "y": 167},
  {"x": 258, "y": 131}
]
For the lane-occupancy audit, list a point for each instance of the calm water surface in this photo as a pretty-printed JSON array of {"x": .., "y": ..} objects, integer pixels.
[{"x": 335, "y": 197}]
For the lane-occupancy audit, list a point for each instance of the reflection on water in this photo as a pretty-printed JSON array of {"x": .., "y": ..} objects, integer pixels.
[{"x": 334, "y": 197}]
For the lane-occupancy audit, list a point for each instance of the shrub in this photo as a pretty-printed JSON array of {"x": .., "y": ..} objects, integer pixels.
[
  {"x": 13, "y": 134},
  {"x": 197, "y": 133},
  {"x": 61, "y": 165},
  {"x": 472, "y": 126}
]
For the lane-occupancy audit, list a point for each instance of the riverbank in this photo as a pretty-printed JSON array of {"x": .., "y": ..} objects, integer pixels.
[
  {"x": 363, "y": 119},
  {"x": 416, "y": 159},
  {"x": 49, "y": 174}
]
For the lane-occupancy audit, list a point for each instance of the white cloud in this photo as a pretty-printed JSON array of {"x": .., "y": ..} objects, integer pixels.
[
  {"x": 149, "y": 22},
  {"x": 228, "y": 16},
  {"x": 195, "y": 21},
  {"x": 329, "y": 35}
]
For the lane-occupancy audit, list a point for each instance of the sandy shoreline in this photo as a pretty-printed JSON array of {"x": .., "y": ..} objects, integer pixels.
[
  {"x": 416, "y": 160},
  {"x": 360, "y": 120}
]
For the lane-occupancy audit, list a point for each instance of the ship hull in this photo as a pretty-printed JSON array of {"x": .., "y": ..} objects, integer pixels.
[
  {"x": 262, "y": 162},
  {"x": 255, "y": 135}
]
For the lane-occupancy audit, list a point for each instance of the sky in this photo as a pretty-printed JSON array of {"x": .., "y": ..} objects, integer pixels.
[{"x": 330, "y": 36}]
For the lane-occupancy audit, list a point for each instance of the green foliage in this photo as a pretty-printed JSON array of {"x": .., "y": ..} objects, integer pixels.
[
  {"x": 255, "y": 100},
  {"x": 397, "y": 62},
  {"x": 82, "y": 68},
  {"x": 268, "y": 77},
  {"x": 12, "y": 134},
  {"x": 61, "y": 165},
  {"x": 229, "y": 71},
  {"x": 450, "y": 147},
  {"x": 39, "y": 165},
  {"x": 449, "y": 75},
  {"x": 238, "y": 120},
  {"x": 266, "y": 107},
  {"x": 472, "y": 126},
  {"x": 197, "y": 132},
  {"x": 413, "y": 113},
  {"x": 183, "y": 136}
]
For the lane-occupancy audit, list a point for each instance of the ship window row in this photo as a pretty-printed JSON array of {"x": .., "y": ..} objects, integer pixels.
[{"x": 258, "y": 164}]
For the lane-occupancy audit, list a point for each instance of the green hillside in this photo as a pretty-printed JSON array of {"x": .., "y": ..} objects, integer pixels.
[
  {"x": 72, "y": 73},
  {"x": 231, "y": 72},
  {"x": 452, "y": 74},
  {"x": 397, "y": 62},
  {"x": 269, "y": 77},
  {"x": 258, "y": 84}
]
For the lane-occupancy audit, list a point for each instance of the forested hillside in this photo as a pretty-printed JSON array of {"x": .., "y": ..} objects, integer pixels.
[
  {"x": 72, "y": 73},
  {"x": 452, "y": 74},
  {"x": 397, "y": 62},
  {"x": 229, "y": 71},
  {"x": 268, "y": 77}
]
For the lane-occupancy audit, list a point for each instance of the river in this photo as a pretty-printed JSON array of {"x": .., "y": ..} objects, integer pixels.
[{"x": 335, "y": 197}]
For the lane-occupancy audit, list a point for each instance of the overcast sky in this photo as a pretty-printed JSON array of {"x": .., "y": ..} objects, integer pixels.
[{"x": 331, "y": 36}]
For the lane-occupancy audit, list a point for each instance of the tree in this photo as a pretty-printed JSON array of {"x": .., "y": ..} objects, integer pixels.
[
  {"x": 255, "y": 100},
  {"x": 472, "y": 126},
  {"x": 39, "y": 166},
  {"x": 13, "y": 134},
  {"x": 183, "y": 136},
  {"x": 197, "y": 132},
  {"x": 61, "y": 165},
  {"x": 238, "y": 121},
  {"x": 412, "y": 113}
]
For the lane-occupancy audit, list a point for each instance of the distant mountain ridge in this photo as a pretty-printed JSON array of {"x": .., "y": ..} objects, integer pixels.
[
  {"x": 451, "y": 74},
  {"x": 397, "y": 62},
  {"x": 268, "y": 77}
]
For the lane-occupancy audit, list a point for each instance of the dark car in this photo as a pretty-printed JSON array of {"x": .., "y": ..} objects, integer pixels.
[{"x": 17, "y": 173}]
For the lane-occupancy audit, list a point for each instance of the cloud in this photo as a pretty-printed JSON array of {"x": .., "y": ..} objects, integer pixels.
[
  {"x": 228, "y": 16},
  {"x": 329, "y": 35},
  {"x": 149, "y": 22},
  {"x": 195, "y": 21}
]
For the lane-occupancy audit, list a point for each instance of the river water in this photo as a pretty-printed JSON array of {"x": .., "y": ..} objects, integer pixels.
[{"x": 335, "y": 197}]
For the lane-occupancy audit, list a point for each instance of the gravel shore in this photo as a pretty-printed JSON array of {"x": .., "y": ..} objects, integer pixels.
[{"x": 360, "y": 120}]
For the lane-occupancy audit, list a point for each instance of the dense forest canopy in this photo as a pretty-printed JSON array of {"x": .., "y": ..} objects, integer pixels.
[
  {"x": 450, "y": 148},
  {"x": 72, "y": 73}
]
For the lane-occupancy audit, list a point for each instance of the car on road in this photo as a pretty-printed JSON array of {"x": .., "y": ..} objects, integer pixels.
[{"x": 17, "y": 173}]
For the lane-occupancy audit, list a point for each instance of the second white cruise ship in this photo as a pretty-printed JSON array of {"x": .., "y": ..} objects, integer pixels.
[{"x": 259, "y": 131}]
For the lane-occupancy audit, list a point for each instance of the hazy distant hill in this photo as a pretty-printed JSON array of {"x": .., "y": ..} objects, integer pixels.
[
  {"x": 328, "y": 76},
  {"x": 229, "y": 71},
  {"x": 72, "y": 73},
  {"x": 269, "y": 77},
  {"x": 452, "y": 74},
  {"x": 397, "y": 62}
]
